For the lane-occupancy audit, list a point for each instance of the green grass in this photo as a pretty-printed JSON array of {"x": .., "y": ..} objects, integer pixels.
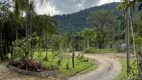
[
  {"x": 123, "y": 74},
  {"x": 94, "y": 50},
  {"x": 65, "y": 73}
]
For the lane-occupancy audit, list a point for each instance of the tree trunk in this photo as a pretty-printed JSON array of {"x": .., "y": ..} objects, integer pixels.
[
  {"x": 133, "y": 37},
  {"x": 16, "y": 31},
  {"x": 26, "y": 38},
  {"x": 31, "y": 22},
  {"x": 46, "y": 45},
  {"x": 30, "y": 31},
  {"x": 73, "y": 55},
  {"x": 39, "y": 47},
  {"x": 0, "y": 43},
  {"x": 84, "y": 44},
  {"x": 27, "y": 33},
  {"x": 88, "y": 45}
]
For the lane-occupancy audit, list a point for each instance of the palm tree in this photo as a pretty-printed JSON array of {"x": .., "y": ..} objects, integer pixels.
[
  {"x": 4, "y": 14},
  {"x": 86, "y": 34},
  {"x": 44, "y": 24},
  {"x": 50, "y": 27},
  {"x": 27, "y": 6}
]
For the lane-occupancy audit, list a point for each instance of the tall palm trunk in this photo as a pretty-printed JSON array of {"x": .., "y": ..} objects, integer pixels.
[
  {"x": 88, "y": 45},
  {"x": 133, "y": 37},
  {"x": 27, "y": 29},
  {"x": 31, "y": 29},
  {"x": 26, "y": 37},
  {"x": 39, "y": 47},
  {"x": 84, "y": 43},
  {"x": 0, "y": 43},
  {"x": 16, "y": 31},
  {"x": 46, "y": 45},
  {"x": 31, "y": 16},
  {"x": 27, "y": 32},
  {"x": 40, "y": 41}
]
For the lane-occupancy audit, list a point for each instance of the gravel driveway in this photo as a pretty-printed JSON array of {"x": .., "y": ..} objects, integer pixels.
[{"x": 108, "y": 68}]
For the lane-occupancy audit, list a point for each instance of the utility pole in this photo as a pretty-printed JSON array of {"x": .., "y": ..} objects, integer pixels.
[{"x": 128, "y": 39}]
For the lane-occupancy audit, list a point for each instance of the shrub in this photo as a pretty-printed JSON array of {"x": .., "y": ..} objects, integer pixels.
[
  {"x": 59, "y": 62},
  {"x": 67, "y": 66},
  {"x": 82, "y": 58},
  {"x": 18, "y": 52},
  {"x": 52, "y": 67},
  {"x": 45, "y": 59},
  {"x": 27, "y": 64},
  {"x": 85, "y": 60}
]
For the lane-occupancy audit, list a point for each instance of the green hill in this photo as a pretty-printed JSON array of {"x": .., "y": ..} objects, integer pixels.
[{"x": 77, "y": 21}]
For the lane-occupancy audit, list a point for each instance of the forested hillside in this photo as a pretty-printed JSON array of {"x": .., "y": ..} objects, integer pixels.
[{"x": 77, "y": 21}]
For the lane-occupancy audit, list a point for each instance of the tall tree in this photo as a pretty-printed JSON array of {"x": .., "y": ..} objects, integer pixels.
[
  {"x": 4, "y": 15},
  {"x": 27, "y": 6},
  {"x": 86, "y": 33},
  {"x": 100, "y": 20}
]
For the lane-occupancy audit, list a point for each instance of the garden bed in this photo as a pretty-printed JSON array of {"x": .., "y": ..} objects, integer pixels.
[
  {"x": 28, "y": 66},
  {"x": 32, "y": 73}
]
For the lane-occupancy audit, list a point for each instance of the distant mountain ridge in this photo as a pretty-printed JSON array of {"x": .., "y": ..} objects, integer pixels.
[{"x": 77, "y": 21}]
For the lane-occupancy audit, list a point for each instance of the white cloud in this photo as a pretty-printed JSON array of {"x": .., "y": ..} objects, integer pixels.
[
  {"x": 54, "y": 7},
  {"x": 47, "y": 9},
  {"x": 107, "y": 1}
]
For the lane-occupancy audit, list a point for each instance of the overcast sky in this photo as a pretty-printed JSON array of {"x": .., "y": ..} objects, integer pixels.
[{"x": 55, "y": 7}]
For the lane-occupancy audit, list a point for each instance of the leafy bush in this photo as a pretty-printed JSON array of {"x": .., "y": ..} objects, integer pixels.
[
  {"x": 67, "y": 66},
  {"x": 82, "y": 58},
  {"x": 45, "y": 59},
  {"x": 52, "y": 67},
  {"x": 59, "y": 62},
  {"x": 18, "y": 53}
]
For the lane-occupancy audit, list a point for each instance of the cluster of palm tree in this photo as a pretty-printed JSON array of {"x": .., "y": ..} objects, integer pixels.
[{"x": 24, "y": 22}]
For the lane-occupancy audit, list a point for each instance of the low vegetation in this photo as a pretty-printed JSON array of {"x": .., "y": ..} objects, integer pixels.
[
  {"x": 123, "y": 74},
  {"x": 64, "y": 63},
  {"x": 94, "y": 50}
]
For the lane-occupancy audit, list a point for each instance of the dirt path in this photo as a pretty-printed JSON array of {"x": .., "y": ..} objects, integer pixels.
[
  {"x": 6, "y": 74},
  {"x": 108, "y": 68}
]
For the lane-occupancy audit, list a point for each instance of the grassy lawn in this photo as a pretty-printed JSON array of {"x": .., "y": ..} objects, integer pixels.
[
  {"x": 66, "y": 73},
  {"x": 123, "y": 74},
  {"x": 83, "y": 67},
  {"x": 94, "y": 50}
]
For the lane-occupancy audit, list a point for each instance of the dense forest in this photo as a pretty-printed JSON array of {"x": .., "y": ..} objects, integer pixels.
[{"x": 77, "y": 21}]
